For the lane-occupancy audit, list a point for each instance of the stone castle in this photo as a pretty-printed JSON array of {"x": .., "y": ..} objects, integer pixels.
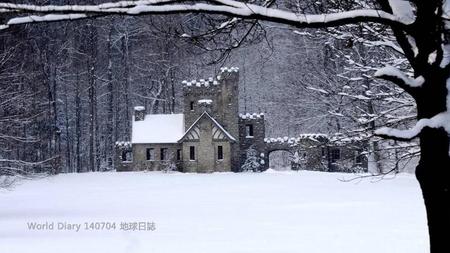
[{"x": 211, "y": 135}]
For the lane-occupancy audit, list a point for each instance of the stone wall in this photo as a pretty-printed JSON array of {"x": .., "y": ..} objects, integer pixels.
[
  {"x": 121, "y": 147},
  {"x": 352, "y": 159},
  {"x": 315, "y": 152},
  {"x": 310, "y": 155},
  {"x": 206, "y": 152},
  {"x": 139, "y": 161},
  {"x": 192, "y": 94},
  {"x": 257, "y": 140}
]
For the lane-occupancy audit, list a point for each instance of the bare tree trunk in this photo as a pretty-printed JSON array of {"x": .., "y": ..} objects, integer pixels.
[
  {"x": 93, "y": 126},
  {"x": 126, "y": 79},
  {"x": 56, "y": 131},
  {"x": 109, "y": 140},
  {"x": 172, "y": 87},
  {"x": 78, "y": 125},
  {"x": 68, "y": 138},
  {"x": 374, "y": 152}
]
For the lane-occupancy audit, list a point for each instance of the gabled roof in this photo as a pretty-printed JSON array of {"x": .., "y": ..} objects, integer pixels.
[
  {"x": 214, "y": 121},
  {"x": 158, "y": 128}
]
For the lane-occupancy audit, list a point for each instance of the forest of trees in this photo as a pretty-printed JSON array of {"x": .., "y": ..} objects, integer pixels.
[
  {"x": 68, "y": 89},
  {"x": 71, "y": 86}
]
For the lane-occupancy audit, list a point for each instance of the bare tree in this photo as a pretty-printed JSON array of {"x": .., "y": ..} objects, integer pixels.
[{"x": 27, "y": 149}]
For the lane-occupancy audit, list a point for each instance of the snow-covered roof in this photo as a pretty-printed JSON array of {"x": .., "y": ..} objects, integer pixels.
[
  {"x": 158, "y": 128},
  {"x": 206, "y": 114}
]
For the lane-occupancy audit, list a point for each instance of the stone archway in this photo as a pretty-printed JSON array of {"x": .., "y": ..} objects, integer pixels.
[
  {"x": 279, "y": 159},
  {"x": 305, "y": 150}
]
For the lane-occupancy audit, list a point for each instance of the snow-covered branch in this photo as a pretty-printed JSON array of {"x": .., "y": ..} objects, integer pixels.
[
  {"x": 44, "y": 18},
  {"x": 398, "y": 77},
  {"x": 225, "y": 7},
  {"x": 438, "y": 121}
]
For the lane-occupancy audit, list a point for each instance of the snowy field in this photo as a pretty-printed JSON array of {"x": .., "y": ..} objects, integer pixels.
[{"x": 275, "y": 212}]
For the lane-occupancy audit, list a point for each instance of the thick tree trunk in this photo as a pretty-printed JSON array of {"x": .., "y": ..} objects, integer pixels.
[
  {"x": 433, "y": 174},
  {"x": 433, "y": 171}
]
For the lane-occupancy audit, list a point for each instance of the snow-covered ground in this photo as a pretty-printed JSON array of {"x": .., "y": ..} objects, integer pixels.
[{"x": 214, "y": 213}]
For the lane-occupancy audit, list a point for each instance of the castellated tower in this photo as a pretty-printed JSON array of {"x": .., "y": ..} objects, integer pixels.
[
  {"x": 222, "y": 95},
  {"x": 219, "y": 96}
]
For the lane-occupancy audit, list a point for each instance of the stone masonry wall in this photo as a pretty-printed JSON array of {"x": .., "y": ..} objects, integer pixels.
[
  {"x": 206, "y": 152},
  {"x": 230, "y": 111},
  {"x": 259, "y": 132},
  {"x": 224, "y": 93},
  {"x": 140, "y": 161}
]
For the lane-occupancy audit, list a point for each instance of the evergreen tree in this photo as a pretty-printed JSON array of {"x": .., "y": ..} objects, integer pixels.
[{"x": 252, "y": 162}]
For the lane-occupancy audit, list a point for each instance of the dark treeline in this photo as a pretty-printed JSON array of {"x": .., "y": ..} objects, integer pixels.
[{"x": 67, "y": 89}]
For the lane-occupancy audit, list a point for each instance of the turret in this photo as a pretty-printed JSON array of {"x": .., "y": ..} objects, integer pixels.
[
  {"x": 229, "y": 107},
  {"x": 221, "y": 92}
]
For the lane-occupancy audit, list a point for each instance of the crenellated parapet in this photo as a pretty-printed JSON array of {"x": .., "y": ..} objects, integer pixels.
[
  {"x": 251, "y": 116},
  {"x": 293, "y": 141},
  {"x": 123, "y": 144},
  {"x": 210, "y": 84}
]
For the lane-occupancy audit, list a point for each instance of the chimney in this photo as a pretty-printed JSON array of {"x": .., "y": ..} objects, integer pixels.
[{"x": 139, "y": 113}]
